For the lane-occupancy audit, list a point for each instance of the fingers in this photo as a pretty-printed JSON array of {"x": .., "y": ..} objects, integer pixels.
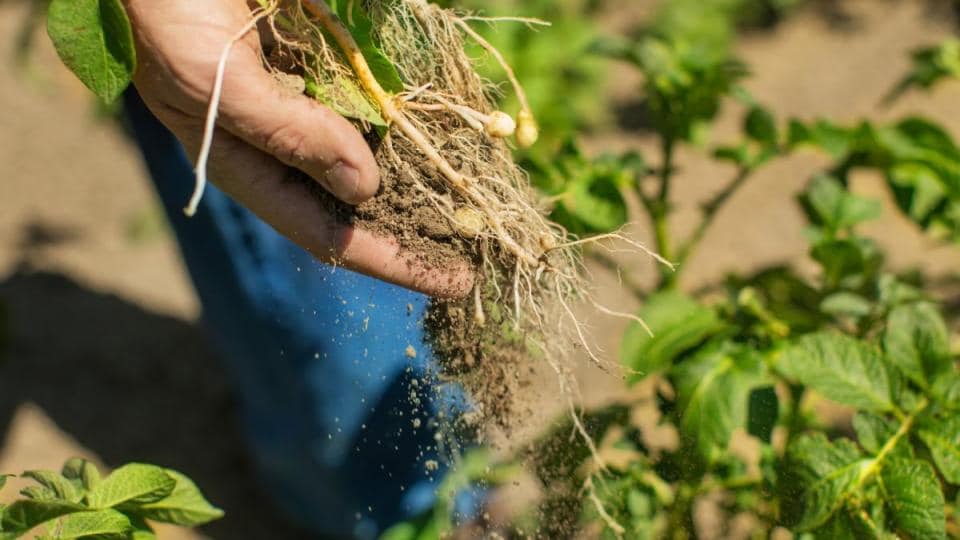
[
  {"x": 259, "y": 182},
  {"x": 366, "y": 253},
  {"x": 296, "y": 130}
]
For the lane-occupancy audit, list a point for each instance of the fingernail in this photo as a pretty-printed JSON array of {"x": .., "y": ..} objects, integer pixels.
[{"x": 346, "y": 180}]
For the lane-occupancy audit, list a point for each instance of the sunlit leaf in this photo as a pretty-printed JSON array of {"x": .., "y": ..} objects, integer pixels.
[
  {"x": 184, "y": 506},
  {"x": 134, "y": 483},
  {"x": 677, "y": 323},
  {"x": 842, "y": 369},
  {"x": 941, "y": 435},
  {"x": 94, "y": 39},
  {"x": 916, "y": 340},
  {"x": 714, "y": 390},
  {"x": 915, "y": 499},
  {"x": 823, "y": 474},
  {"x": 97, "y": 523}
]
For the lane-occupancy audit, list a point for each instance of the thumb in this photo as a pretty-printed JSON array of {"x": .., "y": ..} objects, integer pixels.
[{"x": 296, "y": 130}]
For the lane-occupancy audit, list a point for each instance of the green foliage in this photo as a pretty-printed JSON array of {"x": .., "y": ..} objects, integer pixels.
[
  {"x": 713, "y": 393},
  {"x": 94, "y": 39},
  {"x": 676, "y": 324},
  {"x": 684, "y": 79},
  {"x": 361, "y": 28},
  {"x": 77, "y": 503},
  {"x": 887, "y": 484},
  {"x": 919, "y": 160},
  {"x": 751, "y": 359},
  {"x": 587, "y": 194},
  {"x": 841, "y": 368},
  {"x": 834, "y": 209},
  {"x": 930, "y": 66}
]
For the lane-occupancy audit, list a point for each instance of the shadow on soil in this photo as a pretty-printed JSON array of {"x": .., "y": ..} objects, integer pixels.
[{"x": 131, "y": 385}]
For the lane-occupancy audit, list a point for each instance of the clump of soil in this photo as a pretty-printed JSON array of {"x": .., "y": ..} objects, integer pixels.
[
  {"x": 490, "y": 362},
  {"x": 400, "y": 212}
]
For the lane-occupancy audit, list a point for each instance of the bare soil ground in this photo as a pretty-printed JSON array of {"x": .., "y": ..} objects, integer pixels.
[{"x": 107, "y": 360}]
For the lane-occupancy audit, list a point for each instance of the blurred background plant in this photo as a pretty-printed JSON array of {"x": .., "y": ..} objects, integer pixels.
[{"x": 754, "y": 354}]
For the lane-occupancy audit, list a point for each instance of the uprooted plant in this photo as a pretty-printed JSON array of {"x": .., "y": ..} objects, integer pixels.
[{"x": 450, "y": 187}]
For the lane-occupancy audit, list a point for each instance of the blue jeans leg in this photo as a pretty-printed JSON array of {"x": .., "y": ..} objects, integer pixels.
[{"x": 316, "y": 356}]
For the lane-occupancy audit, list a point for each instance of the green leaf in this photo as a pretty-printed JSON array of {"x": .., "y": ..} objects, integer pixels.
[
  {"x": 834, "y": 140},
  {"x": 947, "y": 389},
  {"x": 346, "y": 99},
  {"x": 915, "y": 499},
  {"x": 942, "y": 438},
  {"x": 401, "y": 531},
  {"x": 825, "y": 474},
  {"x": 23, "y": 515},
  {"x": 738, "y": 155},
  {"x": 677, "y": 322},
  {"x": 713, "y": 390},
  {"x": 141, "y": 529},
  {"x": 424, "y": 527},
  {"x": 94, "y": 523},
  {"x": 39, "y": 493},
  {"x": 761, "y": 126},
  {"x": 185, "y": 505},
  {"x": 916, "y": 140},
  {"x": 143, "y": 534},
  {"x": 893, "y": 292},
  {"x": 917, "y": 341},
  {"x": 873, "y": 431},
  {"x": 361, "y": 28},
  {"x": 930, "y": 65},
  {"x": 94, "y": 40},
  {"x": 846, "y": 526},
  {"x": 841, "y": 368},
  {"x": 846, "y": 304},
  {"x": 832, "y": 206},
  {"x": 847, "y": 260},
  {"x": 917, "y": 188},
  {"x": 135, "y": 483},
  {"x": 60, "y": 486},
  {"x": 595, "y": 200},
  {"x": 82, "y": 472}
]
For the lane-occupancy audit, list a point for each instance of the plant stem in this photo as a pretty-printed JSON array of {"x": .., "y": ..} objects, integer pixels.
[
  {"x": 710, "y": 209},
  {"x": 795, "y": 422},
  {"x": 659, "y": 210},
  {"x": 891, "y": 444},
  {"x": 681, "y": 526}
]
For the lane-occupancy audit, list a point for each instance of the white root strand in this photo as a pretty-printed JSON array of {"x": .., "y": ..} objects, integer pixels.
[
  {"x": 213, "y": 109},
  {"x": 598, "y": 505}
]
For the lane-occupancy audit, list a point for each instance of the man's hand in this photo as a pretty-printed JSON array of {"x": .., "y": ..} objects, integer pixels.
[{"x": 263, "y": 132}]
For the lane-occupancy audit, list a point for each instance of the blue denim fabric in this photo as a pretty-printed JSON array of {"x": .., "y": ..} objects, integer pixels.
[{"x": 316, "y": 356}]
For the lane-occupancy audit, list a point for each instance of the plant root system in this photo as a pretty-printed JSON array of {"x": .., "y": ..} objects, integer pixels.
[{"x": 450, "y": 186}]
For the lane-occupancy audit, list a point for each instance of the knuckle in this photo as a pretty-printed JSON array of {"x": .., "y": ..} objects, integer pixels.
[{"x": 287, "y": 144}]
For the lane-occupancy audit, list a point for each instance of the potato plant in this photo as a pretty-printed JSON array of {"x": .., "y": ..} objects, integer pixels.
[
  {"x": 754, "y": 354},
  {"x": 77, "y": 503},
  {"x": 745, "y": 360},
  {"x": 750, "y": 358}
]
